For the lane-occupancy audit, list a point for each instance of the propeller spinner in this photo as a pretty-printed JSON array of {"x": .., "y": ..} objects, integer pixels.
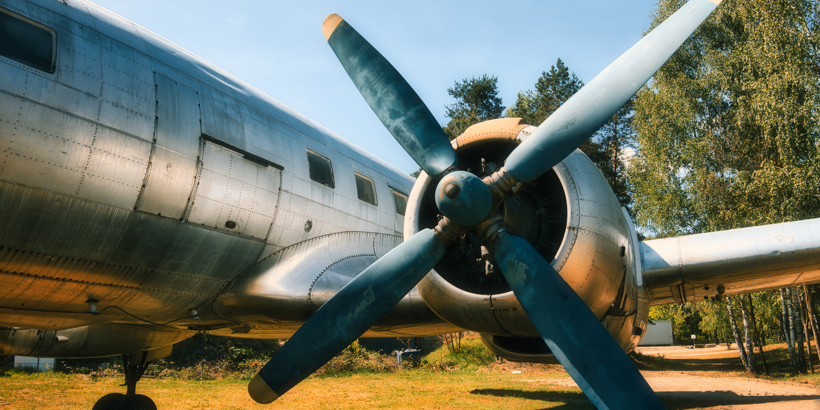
[{"x": 574, "y": 334}]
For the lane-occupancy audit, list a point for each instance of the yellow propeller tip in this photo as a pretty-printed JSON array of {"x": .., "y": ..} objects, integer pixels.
[
  {"x": 260, "y": 391},
  {"x": 329, "y": 26}
]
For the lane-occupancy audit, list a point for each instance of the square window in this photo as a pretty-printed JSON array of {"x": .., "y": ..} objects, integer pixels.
[
  {"x": 400, "y": 200},
  {"x": 26, "y": 41},
  {"x": 365, "y": 189},
  {"x": 320, "y": 169}
]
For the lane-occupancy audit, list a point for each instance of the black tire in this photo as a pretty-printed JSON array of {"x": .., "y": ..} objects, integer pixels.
[
  {"x": 136, "y": 402},
  {"x": 108, "y": 402}
]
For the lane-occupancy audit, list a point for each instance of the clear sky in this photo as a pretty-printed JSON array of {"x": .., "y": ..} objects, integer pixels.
[{"x": 278, "y": 47}]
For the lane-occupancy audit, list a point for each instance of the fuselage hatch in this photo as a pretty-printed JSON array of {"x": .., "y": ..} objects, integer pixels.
[{"x": 142, "y": 179}]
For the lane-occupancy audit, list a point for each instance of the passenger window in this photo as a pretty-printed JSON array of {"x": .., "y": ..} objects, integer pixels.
[
  {"x": 365, "y": 189},
  {"x": 26, "y": 41},
  {"x": 401, "y": 202},
  {"x": 320, "y": 169}
]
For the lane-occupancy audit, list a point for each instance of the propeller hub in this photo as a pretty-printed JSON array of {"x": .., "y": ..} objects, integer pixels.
[
  {"x": 463, "y": 198},
  {"x": 452, "y": 190}
]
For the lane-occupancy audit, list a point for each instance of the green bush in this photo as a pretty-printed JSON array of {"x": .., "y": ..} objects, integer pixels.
[
  {"x": 357, "y": 359},
  {"x": 472, "y": 355},
  {"x": 205, "y": 357}
]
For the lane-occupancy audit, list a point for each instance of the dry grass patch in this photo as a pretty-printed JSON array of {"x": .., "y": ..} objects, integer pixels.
[{"x": 401, "y": 390}]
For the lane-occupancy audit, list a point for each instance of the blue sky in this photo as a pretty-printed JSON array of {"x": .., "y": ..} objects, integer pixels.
[{"x": 278, "y": 47}]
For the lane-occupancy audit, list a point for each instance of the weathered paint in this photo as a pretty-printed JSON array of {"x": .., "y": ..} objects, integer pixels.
[{"x": 392, "y": 99}]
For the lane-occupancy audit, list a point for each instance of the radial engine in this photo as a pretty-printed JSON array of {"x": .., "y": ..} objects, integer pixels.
[{"x": 569, "y": 214}]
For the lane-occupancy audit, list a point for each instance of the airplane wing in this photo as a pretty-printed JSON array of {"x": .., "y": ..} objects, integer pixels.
[
  {"x": 296, "y": 281},
  {"x": 702, "y": 266}
]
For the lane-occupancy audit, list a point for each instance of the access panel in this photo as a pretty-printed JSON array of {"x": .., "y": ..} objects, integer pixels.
[
  {"x": 173, "y": 167},
  {"x": 234, "y": 194}
]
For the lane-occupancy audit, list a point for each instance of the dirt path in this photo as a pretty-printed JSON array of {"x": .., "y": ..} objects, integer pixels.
[{"x": 713, "y": 390}]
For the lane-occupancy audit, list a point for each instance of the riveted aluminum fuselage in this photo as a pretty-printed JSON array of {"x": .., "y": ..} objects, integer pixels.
[{"x": 143, "y": 178}]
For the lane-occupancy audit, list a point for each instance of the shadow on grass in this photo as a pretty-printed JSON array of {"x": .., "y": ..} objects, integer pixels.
[{"x": 672, "y": 400}]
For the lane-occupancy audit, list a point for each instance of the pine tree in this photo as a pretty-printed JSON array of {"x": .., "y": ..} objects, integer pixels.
[
  {"x": 477, "y": 100},
  {"x": 552, "y": 89}
]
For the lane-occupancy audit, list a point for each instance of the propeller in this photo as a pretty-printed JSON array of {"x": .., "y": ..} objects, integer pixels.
[
  {"x": 574, "y": 334},
  {"x": 588, "y": 109},
  {"x": 392, "y": 99},
  {"x": 347, "y": 315}
]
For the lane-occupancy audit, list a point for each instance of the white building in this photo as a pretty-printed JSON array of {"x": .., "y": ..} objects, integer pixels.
[{"x": 658, "y": 333}]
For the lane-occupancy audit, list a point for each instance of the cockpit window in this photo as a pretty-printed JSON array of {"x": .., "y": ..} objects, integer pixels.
[
  {"x": 400, "y": 201},
  {"x": 26, "y": 41},
  {"x": 365, "y": 189},
  {"x": 320, "y": 169}
]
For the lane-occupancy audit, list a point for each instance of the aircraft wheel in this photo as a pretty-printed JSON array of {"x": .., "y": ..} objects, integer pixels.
[
  {"x": 136, "y": 402},
  {"x": 108, "y": 402}
]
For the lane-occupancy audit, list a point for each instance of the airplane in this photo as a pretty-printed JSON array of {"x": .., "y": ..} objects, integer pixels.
[{"x": 147, "y": 195}]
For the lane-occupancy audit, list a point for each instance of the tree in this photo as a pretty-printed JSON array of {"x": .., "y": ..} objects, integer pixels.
[
  {"x": 605, "y": 149},
  {"x": 616, "y": 138},
  {"x": 477, "y": 100},
  {"x": 745, "y": 356},
  {"x": 728, "y": 130},
  {"x": 552, "y": 89},
  {"x": 715, "y": 322}
]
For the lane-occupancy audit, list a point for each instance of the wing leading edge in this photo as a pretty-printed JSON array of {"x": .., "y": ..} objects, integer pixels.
[{"x": 701, "y": 266}]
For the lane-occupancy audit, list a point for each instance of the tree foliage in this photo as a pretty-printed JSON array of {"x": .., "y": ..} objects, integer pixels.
[
  {"x": 477, "y": 100},
  {"x": 708, "y": 319},
  {"x": 552, "y": 89},
  {"x": 728, "y": 132},
  {"x": 728, "y": 127}
]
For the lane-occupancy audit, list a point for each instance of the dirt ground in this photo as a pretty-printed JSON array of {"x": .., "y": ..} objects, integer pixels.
[
  {"x": 704, "y": 378},
  {"x": 707, "y": 389}
]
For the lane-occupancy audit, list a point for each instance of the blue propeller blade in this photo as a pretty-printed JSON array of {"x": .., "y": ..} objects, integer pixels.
[
  {"x": 577, "y": 338},
  {"x": 587, "y": 110},
  {"x": 392, "y": 99},
  {"x": 347, "y": 315}
]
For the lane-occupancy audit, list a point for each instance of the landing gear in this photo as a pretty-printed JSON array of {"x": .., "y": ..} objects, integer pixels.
[
  {"x": 130, "y": 400},
  {"x": 109, "y": 401},
  {"x": 136, "y": 402}
]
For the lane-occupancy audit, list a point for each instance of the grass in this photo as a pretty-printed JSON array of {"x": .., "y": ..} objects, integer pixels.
[
  {"x": 358, "y": 379},
  {"x": 406, "y": 389}
]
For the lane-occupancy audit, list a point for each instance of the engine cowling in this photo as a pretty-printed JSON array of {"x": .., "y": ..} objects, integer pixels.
[{"x": 569, "y": 214}]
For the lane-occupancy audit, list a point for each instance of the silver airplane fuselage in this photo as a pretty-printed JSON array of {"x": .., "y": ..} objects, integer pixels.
[
  {"x": 146, "y": 195},
  {"x": 142, "y": 180}
]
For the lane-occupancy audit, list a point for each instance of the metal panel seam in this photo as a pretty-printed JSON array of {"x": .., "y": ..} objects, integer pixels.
[
  {"x": 319, "y": 276},
  {"x": 275, "y": 209},
  {"x": 95, "y": 122}
]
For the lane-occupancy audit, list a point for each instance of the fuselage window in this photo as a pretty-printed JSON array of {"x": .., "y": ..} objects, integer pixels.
[
  {"x": 365, "y": 189},
  {"x": 320, "y": 169},
  {"x": 401, "y": 202},
  {"x": 26, "y": 41}
]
